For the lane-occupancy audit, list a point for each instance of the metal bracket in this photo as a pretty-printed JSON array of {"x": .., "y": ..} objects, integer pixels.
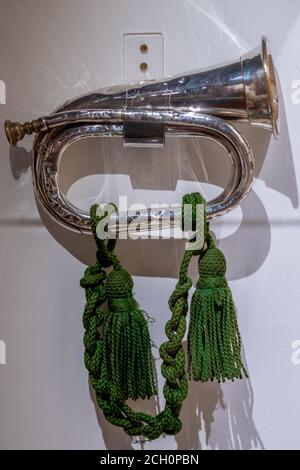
[
  {"x": 143, "y": 134},
  {"x": 142, "y": 60}
]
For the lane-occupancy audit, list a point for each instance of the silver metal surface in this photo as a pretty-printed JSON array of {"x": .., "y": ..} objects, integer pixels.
[
  {"x": 243, "y": 90},
  {"x": 49, "y": 148},
  {"x": 196, "y": 104}
]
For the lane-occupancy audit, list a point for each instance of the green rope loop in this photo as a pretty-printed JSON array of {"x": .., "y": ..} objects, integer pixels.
[
  {"x": 175, "y": 389},
  {"x": 190, "y": 217},
  {"x": 213, "y": 339}
]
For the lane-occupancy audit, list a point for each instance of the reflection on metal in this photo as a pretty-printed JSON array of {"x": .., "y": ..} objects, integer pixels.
[{"x": 200, "y": 103}]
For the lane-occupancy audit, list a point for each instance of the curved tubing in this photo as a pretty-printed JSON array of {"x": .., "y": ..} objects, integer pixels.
[{"x": 67, "y": 127}]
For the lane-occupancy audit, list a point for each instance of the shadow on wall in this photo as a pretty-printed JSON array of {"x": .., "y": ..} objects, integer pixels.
[
  {"x": 232, "y": 429},
  {"x": 160, "y": 170},
  {"x": 222, "y": 414}
]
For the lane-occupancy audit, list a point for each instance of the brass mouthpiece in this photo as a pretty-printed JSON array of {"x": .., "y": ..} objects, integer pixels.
[{"x": 15, "y": 131}]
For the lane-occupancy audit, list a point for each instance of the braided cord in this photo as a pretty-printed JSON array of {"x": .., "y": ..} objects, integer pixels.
[{"x": 175, "y": 389}]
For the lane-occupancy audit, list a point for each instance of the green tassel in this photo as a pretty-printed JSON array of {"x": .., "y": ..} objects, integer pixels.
[
  {"x": 214, "y": 344},
  {"x": 127, "y": 342}
]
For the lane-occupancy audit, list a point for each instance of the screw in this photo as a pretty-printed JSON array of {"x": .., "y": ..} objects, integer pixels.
[
  {"x": 143, "y": 48},
  {"x": 144, "y": 66}
]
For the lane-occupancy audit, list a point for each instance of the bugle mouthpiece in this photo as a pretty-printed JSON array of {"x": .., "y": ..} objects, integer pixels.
[{"x": 15, "y": 131}]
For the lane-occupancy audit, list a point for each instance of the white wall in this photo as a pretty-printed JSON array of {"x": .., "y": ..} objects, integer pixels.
[{"x": 52, "y": 51}]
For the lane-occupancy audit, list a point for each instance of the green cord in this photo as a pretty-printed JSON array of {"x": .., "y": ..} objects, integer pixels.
[
  {"x": 114, "y": 407},
  {"x": 213, "y": 337}
]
